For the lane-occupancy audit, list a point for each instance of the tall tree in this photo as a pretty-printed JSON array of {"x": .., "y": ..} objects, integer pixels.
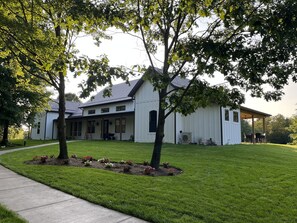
[
  {"x": 20, "y": 97},
  {"x": 242, "y": 40},
  {"x": 41, "y": 35},
  {"x": 293, "y": 129},
  {"x": 278, "y": 129}
]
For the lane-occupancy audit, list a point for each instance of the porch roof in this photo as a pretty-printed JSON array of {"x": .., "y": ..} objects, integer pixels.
[{"x": 248, "y": 113}]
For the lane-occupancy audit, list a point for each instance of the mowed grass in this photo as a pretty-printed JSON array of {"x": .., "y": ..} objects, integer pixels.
[
  {"x": 7, "y": 216},
  {"x": 19, "y": 143},
  {"x": 240, "y": 183}
]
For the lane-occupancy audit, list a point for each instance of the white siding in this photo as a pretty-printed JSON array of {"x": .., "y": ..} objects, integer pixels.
[
  {"x": 204, "y": 124},
  {"x": 48, "y": 130},
  {"x": 146, "y": 100},
  {"x": 112, "y": 108},
  {"x": 41, "y": 119},
  {"x": 231, "y": 129},
  {"x": 51, "y": 116}
]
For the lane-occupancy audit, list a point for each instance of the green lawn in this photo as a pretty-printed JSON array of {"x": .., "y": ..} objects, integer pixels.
[
  {"x": 18, "y": 143},
  {"x": 242, "y": 183},
  {"x": 7, "y": 216}
]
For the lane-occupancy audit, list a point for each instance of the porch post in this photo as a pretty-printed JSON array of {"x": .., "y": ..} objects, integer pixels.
[{"x": 264, "y": 129}]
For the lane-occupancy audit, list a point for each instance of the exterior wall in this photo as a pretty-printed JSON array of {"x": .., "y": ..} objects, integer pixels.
[
  {"x": 48, "y": 129},
  {"x": 146, "y": 100},
  {"x": 203, "y": 124},
  {"x": 51, "y": 116},
  {"x": 231, "y": 129},
  {"x": 39, "y": 118},
  {"x": 112, "y": 108}
]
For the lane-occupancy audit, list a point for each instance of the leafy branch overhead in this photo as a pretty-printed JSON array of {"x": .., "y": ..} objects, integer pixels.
[
  {"x": 41, "y": 36},
  {"x": 240, "y": 39},
  {"x": 246, "y": 42}
]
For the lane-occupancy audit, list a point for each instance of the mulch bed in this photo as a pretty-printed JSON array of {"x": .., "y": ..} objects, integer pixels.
[{"x": 125, "y": 167}]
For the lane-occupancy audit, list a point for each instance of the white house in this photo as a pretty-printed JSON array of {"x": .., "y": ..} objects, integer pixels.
[
  {"x": 131, "y": 114},
  {"x": 45, "y": 124}
]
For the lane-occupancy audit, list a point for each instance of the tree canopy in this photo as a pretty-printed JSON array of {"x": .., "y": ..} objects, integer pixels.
[
  {"x": 241, "y": 40},
  {"x": 41, "y": 36},
  {"x": 20, "y": 97}
]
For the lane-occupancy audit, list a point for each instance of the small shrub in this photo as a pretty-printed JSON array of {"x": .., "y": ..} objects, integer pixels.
[
  {"x": 52, "y": 156},
  {"x": 109, "y": 165},
  {"x": 87, "y": 158},
  {"x": 127, "y": 169},
  {"x": 146, "y": 163},
  {"x": 74, "y": 156},
  {"x": 122, "y": 162},
  {"x": 148, "y": 170},
  {"x": 165, "y": 164},
  {"x": 104, "y": 160},
  {"x": 43, "y": 159},
  {"x": 36, "y": 158},
  {"x": 129, "y": 162},
  {"x": 88, "y": 163}
]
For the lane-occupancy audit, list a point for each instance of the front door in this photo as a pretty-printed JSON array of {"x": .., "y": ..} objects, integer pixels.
[{"x": 105, "y": 129}]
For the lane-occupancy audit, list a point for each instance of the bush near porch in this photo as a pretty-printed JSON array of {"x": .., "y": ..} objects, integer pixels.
[{"x": 240, "y": 183}]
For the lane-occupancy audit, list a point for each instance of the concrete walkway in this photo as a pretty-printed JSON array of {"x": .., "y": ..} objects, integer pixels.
[{"x": 36, "y": 202}]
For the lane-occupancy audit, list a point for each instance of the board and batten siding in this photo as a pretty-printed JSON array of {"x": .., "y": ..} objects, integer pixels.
[
  {"x": 129, "y": 107},
  {"x": 204, "y": 124},
  {"x": 48, "y": 130},
  {"x": 147, "y": 100},
  {"x": 231, "y": 129}
]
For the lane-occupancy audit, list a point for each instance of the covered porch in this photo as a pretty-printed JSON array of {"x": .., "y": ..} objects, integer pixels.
[
  {"x": 101, "y": 127},
  {"x": 251, "y": 114}
]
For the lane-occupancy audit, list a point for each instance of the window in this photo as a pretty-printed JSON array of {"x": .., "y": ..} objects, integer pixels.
[
  {"x": 75, "y": 129},
  {"x": 235, "y": 116},
  {"x": 153, "y": 121},
  {"x": 120, "y": 125},
  {"x": 226, "y": 115},
  {"x": 104, "y": 110},
  {"x": 121, "y": 108},
  {"x": 38, "y": 128},
  {"x": 91, "y": 112},
  {"x": 91, "y": 126}
]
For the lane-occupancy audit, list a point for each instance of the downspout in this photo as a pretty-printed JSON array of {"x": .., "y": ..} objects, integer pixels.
[
  {"x": 221, "y": 122},
  {"x": 134, "y": 104},
  {"x": 174, "y": 129},
  {"x": 44, "y": 137},
  {"x": 53, "y": 129}
]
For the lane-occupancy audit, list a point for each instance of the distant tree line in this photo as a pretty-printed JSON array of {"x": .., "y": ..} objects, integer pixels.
[{"x": 279, "y": 129}]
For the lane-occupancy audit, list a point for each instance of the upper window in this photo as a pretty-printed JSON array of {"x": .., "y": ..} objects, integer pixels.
[
  {"x": 235, "y": 116},
  {"x": 153, "y": 121},
  {"x": 104, "y": 110},
  {"x": 226, "y": 115},
  {"x": 91, "y": 112},
  {"x": 121, "y": 108}
]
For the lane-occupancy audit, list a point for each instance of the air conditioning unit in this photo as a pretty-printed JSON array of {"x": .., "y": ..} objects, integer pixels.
[{"x": 186, "y": 137}]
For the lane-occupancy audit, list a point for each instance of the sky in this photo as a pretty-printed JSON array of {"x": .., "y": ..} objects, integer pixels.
[{"x": 126, "y": 50}]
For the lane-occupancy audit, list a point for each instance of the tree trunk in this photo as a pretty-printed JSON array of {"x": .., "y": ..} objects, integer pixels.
[
  {"x": 61, "y": 120},
  {"x": 4, "y": 141},
  {"x": 156, "y": 157}
]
